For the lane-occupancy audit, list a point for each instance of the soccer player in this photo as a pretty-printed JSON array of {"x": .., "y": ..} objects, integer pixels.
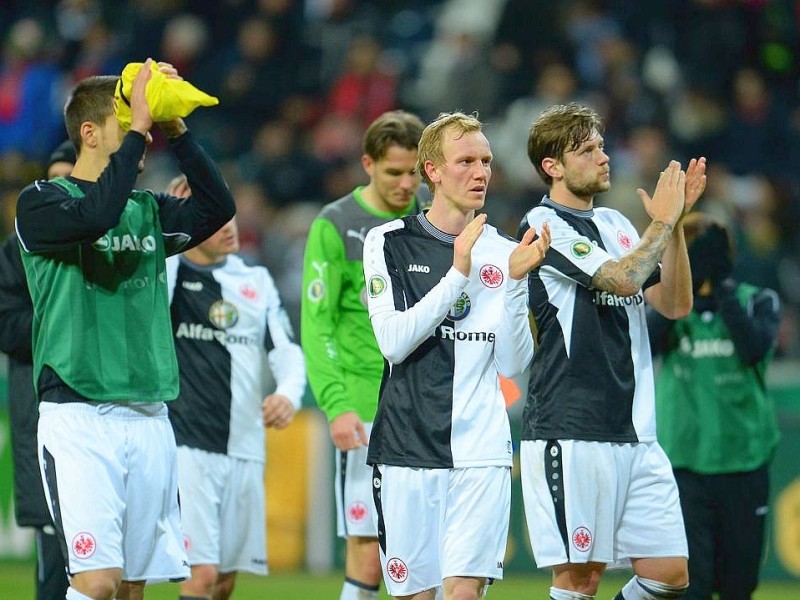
[
  {"x": 448, "y": 305},
  {"x": 16, "y": 316},
  {"x": 716, "y": 420},
  {"x": 344, "y": 363},
  {"x": 104, "y": 362},
  {"x": 234, "y": 344},
  {"x": 597, "y": 487}
]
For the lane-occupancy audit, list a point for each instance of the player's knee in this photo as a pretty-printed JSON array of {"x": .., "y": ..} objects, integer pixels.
[
  {"x": 204, "y": 578},
  {"x": 639, "y": 588},
  {"x": 673, "y": 572},
  {"x": 98, "y": 585},
  {"x": 225, "y": 584},
  {"x": 463, "y": 588}
]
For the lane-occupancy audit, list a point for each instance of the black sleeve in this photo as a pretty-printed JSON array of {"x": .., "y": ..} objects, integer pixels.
[
  {"x": 658, "y": 330},
  {"x": 754, "y": 327},
  {"x": 16, "y": 310},
  {"x": 188, "y": 221},
  {"x": 50, "y": 219}
]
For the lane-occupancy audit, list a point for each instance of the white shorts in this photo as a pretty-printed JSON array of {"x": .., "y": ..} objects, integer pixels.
[
  {"x": 111, "y": 482},
  {"x": 600, "y": 502},
  {"x": 223, "y": 511},
  {"x": 353, "y": 489},
  {"x": 439, "y": 523}
]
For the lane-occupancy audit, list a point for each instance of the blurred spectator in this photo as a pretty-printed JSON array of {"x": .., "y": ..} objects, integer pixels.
[
  {"x": 556, "y": 84},
  {"x": 286, "y": 172},
  {"x": 329, "y": 27},
  {"x": 250, "y": 80},
  {"x": 184, "y": 43},
  {"x": 595, "y": 35},
  {"x": 30, "y": 94},
  {"x": 755, "y": 139},
  {"x": 367, "y": 87}
]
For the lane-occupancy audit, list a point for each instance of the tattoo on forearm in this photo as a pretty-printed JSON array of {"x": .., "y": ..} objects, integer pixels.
[{"x": 626, "y": 276}]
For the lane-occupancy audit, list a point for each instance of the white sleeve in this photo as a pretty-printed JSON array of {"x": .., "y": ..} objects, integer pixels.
[
  {"x": 400, "y": 332},
  {"x": 172, "y": 275},
  {"x": 513, "y": 347},
  {"x": 286, "y": 358}
]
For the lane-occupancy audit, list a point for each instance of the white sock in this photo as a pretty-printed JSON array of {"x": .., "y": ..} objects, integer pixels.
[
  {"x": 559, "y": 594},
  {"x": 639, "y": 588},
  {"x": 73, "y": 594},
  {"x": 355, "y": 590}
]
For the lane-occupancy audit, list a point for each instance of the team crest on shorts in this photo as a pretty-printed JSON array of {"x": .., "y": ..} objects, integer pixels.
[
  {"x": 83, "y": 545},
  {"x": 582, "y": 539},
  {"x": 491, "y": 276},
  {"x": 624, "y": 240},
  {"x": 187, "y": 542},
  {"x": 397, "y": 570},
  {"x": 357, "y": 512}
]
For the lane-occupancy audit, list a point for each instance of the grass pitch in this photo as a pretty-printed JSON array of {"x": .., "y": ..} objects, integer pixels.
[{"x": 16, "y": 583}]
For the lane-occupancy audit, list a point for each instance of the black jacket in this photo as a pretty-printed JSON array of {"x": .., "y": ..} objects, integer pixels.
[{"x": 16, "y": 315}]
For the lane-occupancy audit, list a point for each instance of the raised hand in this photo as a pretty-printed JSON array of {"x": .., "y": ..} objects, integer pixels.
[
  {"x": 695, "y": 183},
  {"x": 529, "y": 254},
  {"x": 462, "y": 247},
  {"x": 141, "y": 118},
  {"x": 170, "y": 71},
  {"x": 668, "y": 201}
]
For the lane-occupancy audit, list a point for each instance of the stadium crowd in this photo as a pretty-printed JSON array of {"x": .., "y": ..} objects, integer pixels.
[{"x": 299, "y": 80}]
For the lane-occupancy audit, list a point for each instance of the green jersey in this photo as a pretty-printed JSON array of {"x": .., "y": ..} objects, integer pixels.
[
  {"x": 343, "y": 361},
  {"x": 714, "y": 414},
  {"x": 101, "y": 314}
]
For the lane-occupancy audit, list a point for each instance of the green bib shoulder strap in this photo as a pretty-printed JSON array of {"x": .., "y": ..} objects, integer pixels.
[{"x": 69, "y": 187}]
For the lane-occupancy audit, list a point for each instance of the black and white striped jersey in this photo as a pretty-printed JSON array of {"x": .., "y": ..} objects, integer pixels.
[
  {"x": 234, "y": 344},
  {"x": 592, "y": 376},
  {"x": 445, "y": 337}
]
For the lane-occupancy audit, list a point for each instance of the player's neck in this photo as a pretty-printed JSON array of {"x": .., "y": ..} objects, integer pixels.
[
  {"x": 372, "y": 199},
  {"x": 449, "y": 219},
  {"x": 572, "y": 201},
  {"x": 204, "y": 259},
  {"x": 89, "y": 167}
]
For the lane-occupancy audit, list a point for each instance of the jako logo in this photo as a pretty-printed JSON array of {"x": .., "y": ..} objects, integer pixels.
[
  {"x": 125, "y": 243},
  {"x": 419, "y": 269},
  {"x": 710, "y": 347}
]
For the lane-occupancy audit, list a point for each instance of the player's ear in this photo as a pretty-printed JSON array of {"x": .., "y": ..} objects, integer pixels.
[
  {"x": 88, "y": 133},
  {"x": 552, "y": 167},
  {"x": 432, "y": 171}
]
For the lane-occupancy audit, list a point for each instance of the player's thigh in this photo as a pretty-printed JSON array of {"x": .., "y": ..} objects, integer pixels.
[
  {"x": 243, "y": 516},
  {"x": 154, "y": 545},
  {"x": 475, "y": 528},
  {"x": 410, "y": 507},
  {"x": 651, "y": 523},
  {"x": 570, "y": 490},
  {"x": 202, "y": 480},
  {"x": 84, "y": 482}
]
